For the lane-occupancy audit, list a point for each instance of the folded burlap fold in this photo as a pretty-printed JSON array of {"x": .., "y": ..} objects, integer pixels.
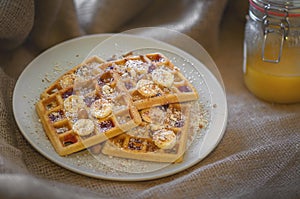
[
  {"x": 58, "y": 20},
  {"x": 16, "y": 21}
]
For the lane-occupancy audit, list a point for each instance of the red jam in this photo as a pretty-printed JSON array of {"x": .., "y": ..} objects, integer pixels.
[
  {"x": 184, "y": 89},
  {"x": 67, "y": 94},
  {"x": 105, "y": 125},
  {"x": 56, "y": 116},
  {"x": 135, "y": 144},
  {"x": 69, "y": 139}
]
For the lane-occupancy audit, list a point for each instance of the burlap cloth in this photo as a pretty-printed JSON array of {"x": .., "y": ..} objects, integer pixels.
[{"x": 258, "y": 156}]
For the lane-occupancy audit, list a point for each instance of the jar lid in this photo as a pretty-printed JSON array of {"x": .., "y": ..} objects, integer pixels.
[{"x": 279, "y": 8}]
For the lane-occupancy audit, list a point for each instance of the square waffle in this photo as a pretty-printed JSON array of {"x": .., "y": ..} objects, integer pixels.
[
  {"x": 152, "y": 80},
  {"x": 75, "y": 118},
  {"x": 161, "y": 137}
]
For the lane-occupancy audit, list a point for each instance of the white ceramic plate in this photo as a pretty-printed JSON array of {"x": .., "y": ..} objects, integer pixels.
[{"x": 55, "y": 61}]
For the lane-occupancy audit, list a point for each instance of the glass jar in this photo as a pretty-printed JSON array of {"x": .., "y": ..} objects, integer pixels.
[{"x": 272, "y": 50}]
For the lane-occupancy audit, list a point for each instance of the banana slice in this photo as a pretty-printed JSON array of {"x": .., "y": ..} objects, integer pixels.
[
  {"x": 153, "y": 115},
  {"x": 142, "y": 69},
  {"x": 84, "y": 127},
  {"x": 145, "y": 114},
  {"x": 147, "y": 88},
  {"x": 67, "y": 80},
  {"x": 138, "y": 66},
  {"x": 163, "y": 77},
  {"x": 155, "y": 127},
  {"x": 164, "y": 139},
  {"x": 72, "y": 105},
  {"x": 107, "y": 90},
  {"x": 101, "y": 108}
]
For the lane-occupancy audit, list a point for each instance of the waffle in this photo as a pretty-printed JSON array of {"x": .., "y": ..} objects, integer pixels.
[
  {"x": 98, "y": 100},
  {"x": 152, "y": 80},
  {"x": 75, "y": 118},
  {"x": 161, "y": 137}
]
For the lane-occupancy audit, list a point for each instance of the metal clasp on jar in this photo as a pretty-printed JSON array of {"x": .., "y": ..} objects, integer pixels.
[{"x": 276, "y": 29}]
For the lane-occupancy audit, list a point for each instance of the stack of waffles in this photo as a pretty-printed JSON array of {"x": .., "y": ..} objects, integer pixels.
[{"x": 135, "y": 107}]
